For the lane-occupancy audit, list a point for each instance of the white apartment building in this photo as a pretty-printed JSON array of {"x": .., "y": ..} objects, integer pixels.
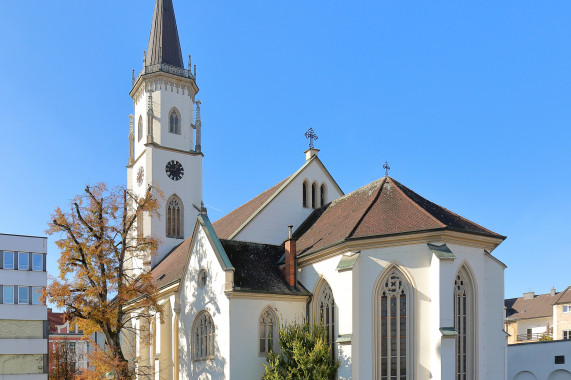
[{"x": 23, "y": 318}]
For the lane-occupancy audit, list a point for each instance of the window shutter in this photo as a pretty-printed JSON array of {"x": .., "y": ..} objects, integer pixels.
[
  {"x": 30, "y": 261},
  {"x": 1, "y": 294},
  {"x": 1, "y": 259},
  {"x": 15, "y": 260},
  {"x": 44, "y": 260},
  {"x": 29, "y": 295}
]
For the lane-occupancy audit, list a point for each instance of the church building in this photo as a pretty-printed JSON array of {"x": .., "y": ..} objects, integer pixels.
[{"x": 407, "y": 289}]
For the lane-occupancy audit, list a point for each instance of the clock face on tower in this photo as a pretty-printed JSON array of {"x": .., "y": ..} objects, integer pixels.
[{"x": 174, "y": 170}]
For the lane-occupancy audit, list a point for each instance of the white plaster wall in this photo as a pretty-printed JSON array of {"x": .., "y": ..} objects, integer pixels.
[
  {"x": 23, "y": 277},
  {"x": 537, "y": 325},
  {"x": 270, "y": 226},
  {"x": 194, "y": 299},
  {"x": 23, "y": 346},
  {"x": 22, "y": 243},
  {"x": 538, "y": 358},
  {"x": 246, "y": 362}
]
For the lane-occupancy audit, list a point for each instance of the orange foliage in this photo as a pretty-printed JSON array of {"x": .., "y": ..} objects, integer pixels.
[{"x": 99, "y": 246}]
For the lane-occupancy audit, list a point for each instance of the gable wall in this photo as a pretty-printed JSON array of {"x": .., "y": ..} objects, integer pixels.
[
  {"x": 270, "y": 225},
  {"x": 194, "y": 299}
]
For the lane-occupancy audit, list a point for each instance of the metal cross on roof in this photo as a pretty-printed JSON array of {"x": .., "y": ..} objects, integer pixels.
[
  {"x": 387, "y": 168},
  {"x": 310, "y": 134}
]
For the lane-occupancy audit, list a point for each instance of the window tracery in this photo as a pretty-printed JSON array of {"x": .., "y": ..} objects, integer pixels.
[
  {"x": 140, "y": 129},
  {"x": 268, "y": 325},
  {"x": 174, "y": 122},
  {"x": 174, "y": 217},
  {"x": 326, "y": 313},
  {"x": 463, "y": 323},
  {"x": 203, "y": 337}
]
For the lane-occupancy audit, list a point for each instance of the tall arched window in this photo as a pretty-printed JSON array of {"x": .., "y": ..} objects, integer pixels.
[
  {"x": 323, "y": 194},
  {"x": 174, "y": 121},
  {"x": 203, "y": 337},
  {"x": 464, "y": 324},
  {"x": 392, "y": 327},
  {"x": 325, "y": 312},
  {"x": 314, "y": 195},
  {"x": 175, "y": 217},
  {"x": 268, "y": 331},
  {"x": 305, "y": 194},
  {"x": 140, "y": 129},
  {"x": 139, "y": 221}
]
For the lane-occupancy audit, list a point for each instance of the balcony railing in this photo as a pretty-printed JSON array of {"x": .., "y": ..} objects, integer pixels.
[
  {"x": 165, "y": 68},
  {"x": 534, "y": 337}
]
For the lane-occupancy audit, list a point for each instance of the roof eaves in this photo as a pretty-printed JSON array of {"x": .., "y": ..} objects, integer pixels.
[{"x": 271, "y": 198}]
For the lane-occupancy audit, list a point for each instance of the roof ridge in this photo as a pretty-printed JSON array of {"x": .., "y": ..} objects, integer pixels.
[
  {"x": 383, "y": 181},
  {"x": 562, "y": 293},
  {"x": 397, "y": 185},
  {"x": 450, "y": 211}
]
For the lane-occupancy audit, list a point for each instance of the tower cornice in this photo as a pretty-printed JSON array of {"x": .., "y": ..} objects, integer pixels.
[{"x": 160, "y": 78}]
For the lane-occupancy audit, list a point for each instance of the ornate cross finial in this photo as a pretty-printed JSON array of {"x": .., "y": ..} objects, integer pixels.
[
  {"x": 310, "y": 134},
  {"x": 387, "y": 168}
]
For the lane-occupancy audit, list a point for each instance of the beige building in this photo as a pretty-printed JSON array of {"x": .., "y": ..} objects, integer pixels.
[{"x": 533, "y": 318}]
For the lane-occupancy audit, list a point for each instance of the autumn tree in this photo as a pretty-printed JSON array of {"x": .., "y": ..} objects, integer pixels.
[
  {"x": 100, "y": 251},
  {"x": 63, "y": 361}
]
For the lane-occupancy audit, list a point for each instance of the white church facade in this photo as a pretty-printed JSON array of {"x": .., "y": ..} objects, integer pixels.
[{"x": 406, "y": 288}]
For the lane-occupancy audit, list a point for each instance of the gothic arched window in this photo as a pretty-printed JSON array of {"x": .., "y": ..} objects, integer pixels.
[
  {"x": 140, "y": 129},
  {"x": 323, "y": 194},
  {"x": 175, "y": 217},
  {"x": 314, "y": 195},
  {"x": 174, "y": 121},
  {"x": 464, "y": 325},
  {"x": 268, "y": 331},
  {"x": 392, "y": 326},
  {"x": 203, "y": 337},
  {"x": 305, "y": 194},
  {"x": 325, "y": 312},
  {"x": 140, "y": 227}
]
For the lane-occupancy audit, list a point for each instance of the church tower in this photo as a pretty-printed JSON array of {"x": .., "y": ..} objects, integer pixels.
[{"x": 164, "y": 138}]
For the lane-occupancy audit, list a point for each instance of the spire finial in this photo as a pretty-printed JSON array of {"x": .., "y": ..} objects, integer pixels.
[
  {"x": 310, "y": 134},
  {"x": 387, "y": 168},
  {"x": 164, "y": 43}
]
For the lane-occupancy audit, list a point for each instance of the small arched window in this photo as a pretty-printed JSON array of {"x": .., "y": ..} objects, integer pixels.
[
  {"x": 323, "y": 194},
  {"x": 268, "y": 331},
  {"x": 464, "y": 325},
  {"x": 174, "y": 121},
  {"x": 139, "y": 221},
  {"x": 314, "y": 195},
  {"x": 203, "y": 337},
  {"x": 305, "y": 194},
  {"x": 325, "y": 313},
  {"x": 140, "y": 129},
  {"x": 175, "y": 217}
]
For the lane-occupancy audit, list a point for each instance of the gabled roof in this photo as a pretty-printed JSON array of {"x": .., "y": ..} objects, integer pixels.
[
  {"x": 256, "y": 269},
  {"x": 381, "y": 208},
  {"x": 565, "y": 296},
  {"x": 164, "y": 44},
  {"x": 231, "y": 224},
  {"x": 537, "y": 307},
  {"x": 171, "y": 267}
]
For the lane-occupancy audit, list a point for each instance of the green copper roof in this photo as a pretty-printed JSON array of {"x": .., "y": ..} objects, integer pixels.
[
  {"x": 347, "y": 262},
  {"x": 448, "y": 331},
  {"x": 441, "y": 251}
]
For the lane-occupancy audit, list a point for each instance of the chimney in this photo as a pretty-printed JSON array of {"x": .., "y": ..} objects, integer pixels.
[
  {"x": 553, "y": 292},
  {"x": 290, "y": 259},
  {"x": 528, "y": 295}
]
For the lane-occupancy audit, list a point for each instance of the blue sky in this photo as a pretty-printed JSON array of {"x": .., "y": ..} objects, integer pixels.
[{"x": 468, "y": 101}]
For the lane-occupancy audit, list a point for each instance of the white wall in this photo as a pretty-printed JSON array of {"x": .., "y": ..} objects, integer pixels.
[{"x": 537, "y": 361}]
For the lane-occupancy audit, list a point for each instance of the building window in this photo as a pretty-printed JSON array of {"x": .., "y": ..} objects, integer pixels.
[
  {"x": 23, "y": 261},
  {"x": 325, "y": 313},
  {"x": 140, "y": 129},
  {"x": 305, "y": 194},
  {"x": 314, "y": 195},
  {"x": 36, "y": 294},
  {"x": 8, "y": 295},
  {"x": 567, "y": 308},
  {"x": 8, "y": 260},
  {"x": 23, "y": 296},
  {"x": 174, "y": 217},
  {"x": 203, "y": 337},
  {"x": 37, "y": 262},
  {"x": 140, "y": 227},
  {"x": 567, "y": 334},
  {"x": 202, "y": 278},
  {"x": 323, "y": 194},
  {"x": 463, "y": 323},
  {"x": 174, "y": 121},
  {"x": 268, "y": 331},
  {"x": 393, "y": 325}
]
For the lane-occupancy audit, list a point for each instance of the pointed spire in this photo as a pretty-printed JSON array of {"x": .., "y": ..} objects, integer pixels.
[{"x": 164, "y": 44}]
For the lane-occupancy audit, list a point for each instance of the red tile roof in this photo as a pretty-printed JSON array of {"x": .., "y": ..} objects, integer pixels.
[
  {"x": 383, "y": 207},
  {"x": 537, "y": 307},
  {"x": 565, "y": 296},
  {"x": 171, "y": 267},
  {"x": 54, "y": 320}
]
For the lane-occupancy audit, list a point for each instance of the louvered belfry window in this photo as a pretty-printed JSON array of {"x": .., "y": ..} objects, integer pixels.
[
  {"x": 174, "y": 122},
  {"x": 393, "y": 327},
  {"x": 174, "y": 217}
]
